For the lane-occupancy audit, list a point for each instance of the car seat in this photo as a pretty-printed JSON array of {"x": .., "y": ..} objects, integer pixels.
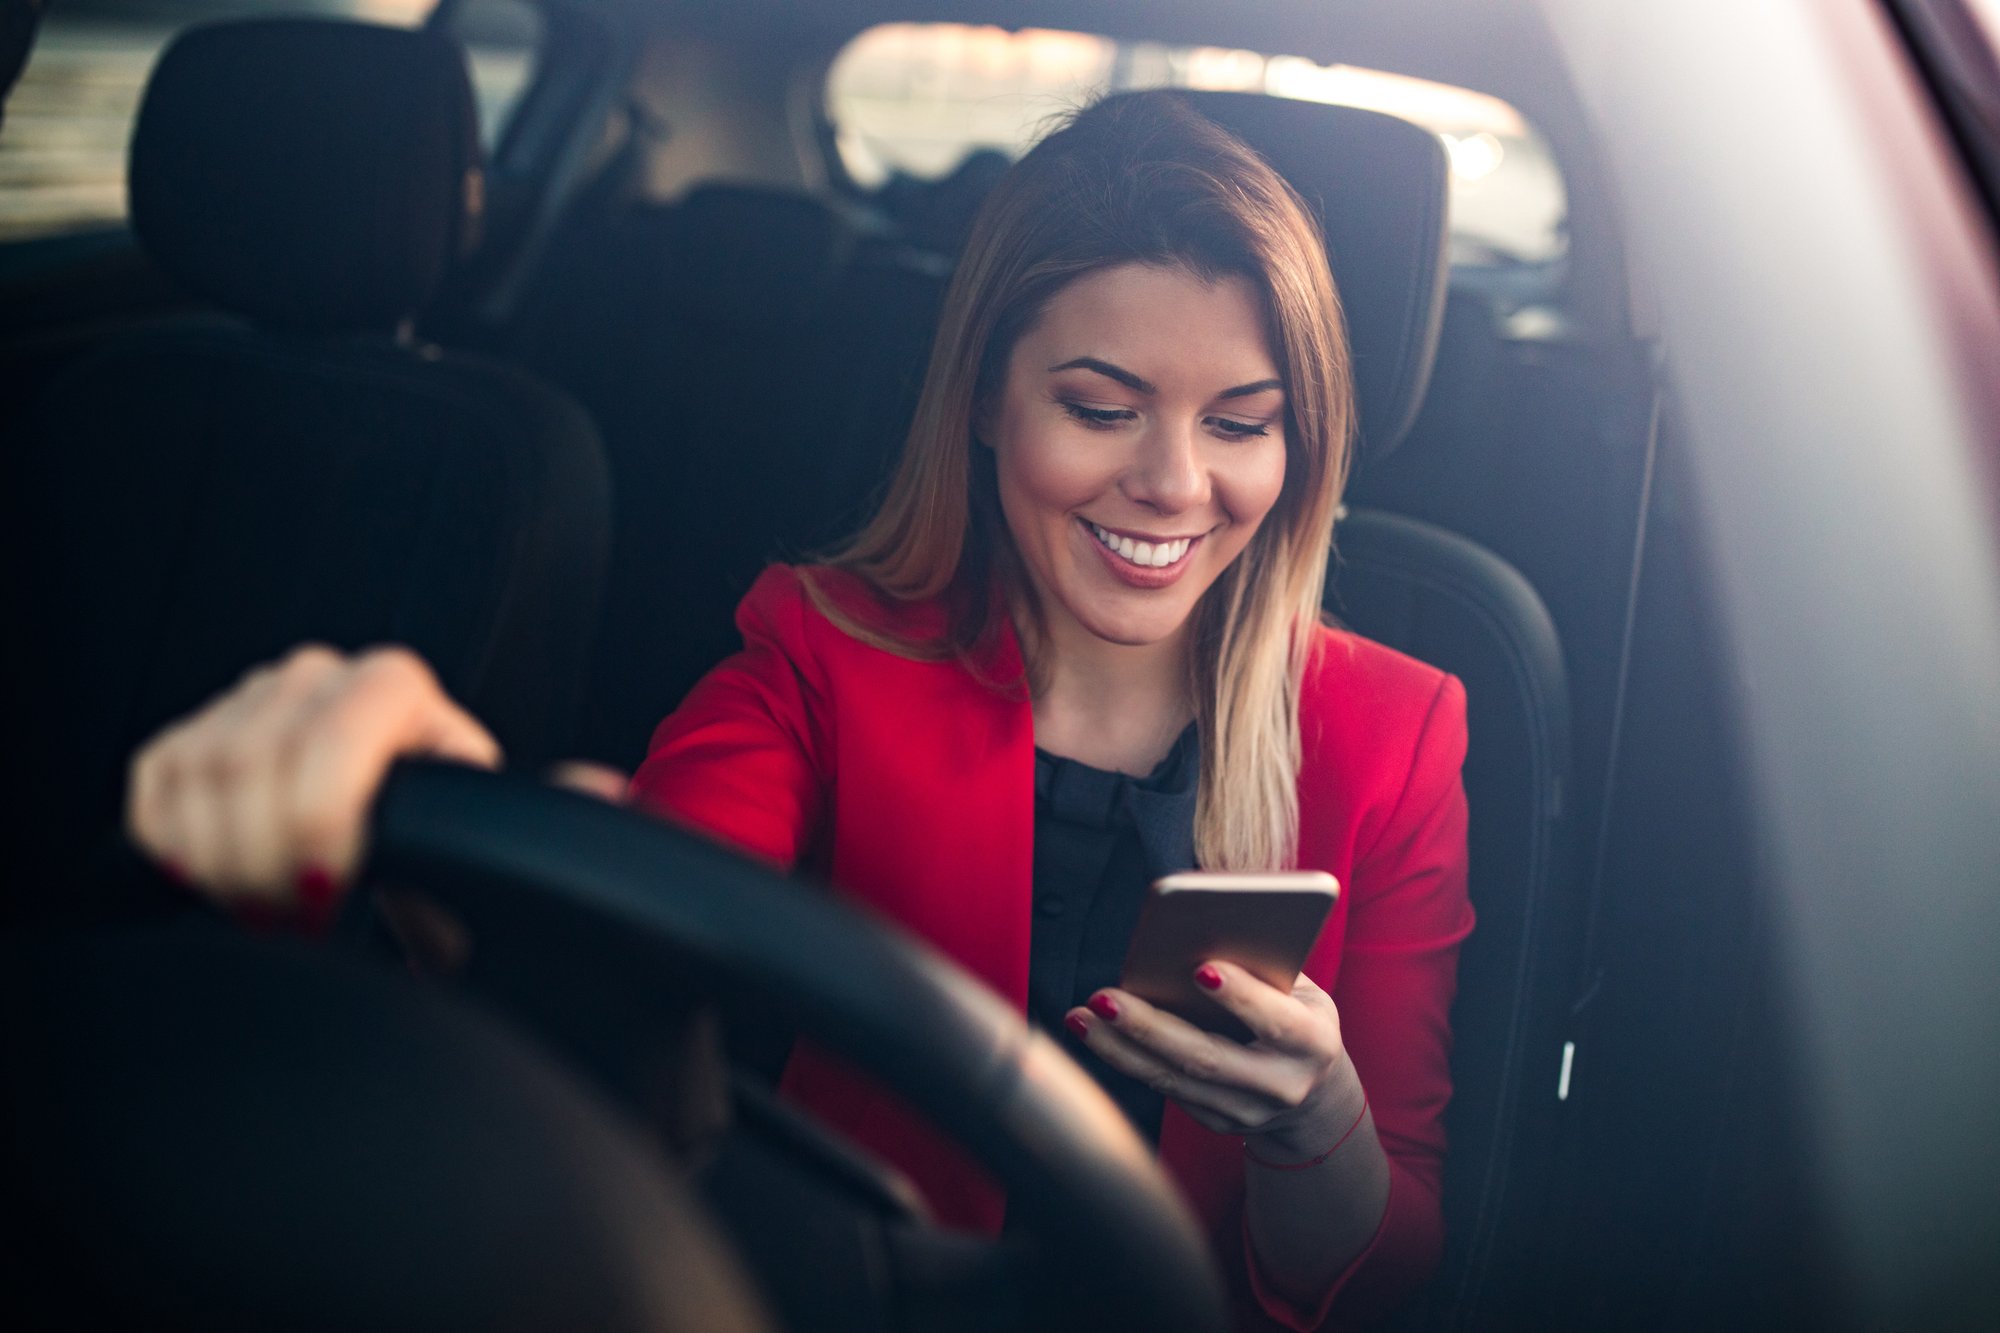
[
  {"x": 752, "y": 356},
  {"x": 201, "y": 493},
  {"x": 1379, "y": 187}
]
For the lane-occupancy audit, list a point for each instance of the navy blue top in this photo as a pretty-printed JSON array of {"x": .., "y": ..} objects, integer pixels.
[{"x": 1100, "y": 839}]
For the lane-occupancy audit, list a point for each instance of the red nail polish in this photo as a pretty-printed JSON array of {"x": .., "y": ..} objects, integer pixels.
[
  {"x": 1208, "y": 977},
  {"x": 316, "y": 888},
  {"x": 1078, "y": 1028},
  {"x": 1104, "y": 1007},
  {"x": 319, "y": 899}
]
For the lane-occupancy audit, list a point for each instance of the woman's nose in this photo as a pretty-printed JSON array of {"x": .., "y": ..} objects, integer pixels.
[{"x": 1167, "y": 476}]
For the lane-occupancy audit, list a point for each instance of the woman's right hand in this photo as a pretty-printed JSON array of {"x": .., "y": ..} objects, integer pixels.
[{"x": 260, "y": 799}]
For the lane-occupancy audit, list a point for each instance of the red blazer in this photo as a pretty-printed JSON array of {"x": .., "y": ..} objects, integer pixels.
[{"x": 910, "y": 785}]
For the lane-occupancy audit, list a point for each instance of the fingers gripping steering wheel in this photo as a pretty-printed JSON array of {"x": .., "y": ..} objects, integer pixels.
[{"x": 505, "y": 854}]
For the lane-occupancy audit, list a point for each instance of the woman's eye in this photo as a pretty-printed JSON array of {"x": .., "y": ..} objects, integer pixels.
[
  {"x": 1099, "y": 417},
  {"x": 1240, "y": 430}
]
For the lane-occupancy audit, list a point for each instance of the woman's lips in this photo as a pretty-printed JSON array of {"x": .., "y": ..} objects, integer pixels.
[{"x": 1129, "y": 571}]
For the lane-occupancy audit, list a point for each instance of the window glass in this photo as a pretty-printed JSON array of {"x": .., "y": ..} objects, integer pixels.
[
  {"x": 501, "y": 38},
  {"x": 914, "y": 99},
  {"x": 68, "y": 122},
  {"x": 1988, "y": 13}
]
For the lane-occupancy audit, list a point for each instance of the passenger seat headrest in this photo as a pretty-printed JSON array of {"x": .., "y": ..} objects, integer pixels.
[
  {"x": 764, "y": 257},
  {"x": 1379, "y": 186},
  {"x": 308, "y": 173}
]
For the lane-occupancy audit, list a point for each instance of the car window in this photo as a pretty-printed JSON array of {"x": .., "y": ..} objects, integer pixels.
[
  {"x": 62, "y": 149},
  {"x": 501, "y": 38},
  {"x": 915, "y": 99},
  {"x": 1988, "y": 14}
]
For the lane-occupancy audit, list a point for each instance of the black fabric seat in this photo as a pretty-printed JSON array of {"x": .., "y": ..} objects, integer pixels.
[
  {"x": 1379, "y": 186},
  {"x": 1455, "y": 604},
  {"x": 198, "y": 495},
  {"x": 753, "y": 357}
]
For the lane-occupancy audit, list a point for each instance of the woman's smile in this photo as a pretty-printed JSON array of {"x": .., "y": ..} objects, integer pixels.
[
  {"x": 1139, "y": 444},
  {"x": 1142, "y": 559}
]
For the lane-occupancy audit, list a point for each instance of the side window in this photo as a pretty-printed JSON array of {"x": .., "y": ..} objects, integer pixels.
[
  {"x": 501, "y": 39},
  {"x": 69, "y": 121},
  {"x": 913, "y": 100}
]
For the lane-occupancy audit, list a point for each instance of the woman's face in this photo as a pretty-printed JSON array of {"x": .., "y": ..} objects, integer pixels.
[{"x": 1139, "y": 441}]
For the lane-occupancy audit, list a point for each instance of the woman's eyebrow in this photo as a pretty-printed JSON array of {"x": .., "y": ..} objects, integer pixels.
[
  {"x": 1109, "y": 371},
  {"x": 1134, "y": 382}
]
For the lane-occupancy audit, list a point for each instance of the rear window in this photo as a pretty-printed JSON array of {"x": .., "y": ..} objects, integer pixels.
[
  {"x": 915, "y": 99},
  {"x": 68, "y": 123}
]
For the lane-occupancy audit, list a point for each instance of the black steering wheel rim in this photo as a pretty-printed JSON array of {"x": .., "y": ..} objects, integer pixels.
[{"x": 485, "y": 846}]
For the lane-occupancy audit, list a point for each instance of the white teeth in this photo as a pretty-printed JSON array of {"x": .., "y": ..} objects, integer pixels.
[{"x": 1149, "y": 555}]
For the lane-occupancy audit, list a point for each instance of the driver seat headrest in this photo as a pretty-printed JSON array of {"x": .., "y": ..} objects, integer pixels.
[
  {"x": 307, "y": 173},
  {"x": 1378, "y": 186}
]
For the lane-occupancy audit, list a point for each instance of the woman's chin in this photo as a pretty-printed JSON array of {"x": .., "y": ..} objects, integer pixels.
[{"x": 1131, "y": 627}]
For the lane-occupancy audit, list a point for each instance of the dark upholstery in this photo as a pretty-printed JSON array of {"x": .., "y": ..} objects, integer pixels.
[
  {"x": 220, "y": 494},
  {"x": 1379, "y": 187},
  {"x": 752, "y": 357},
  {"x": 307, "y": 173},
  {"x": 204, "y": 492},
  {"x": 1455, "y": 605}
]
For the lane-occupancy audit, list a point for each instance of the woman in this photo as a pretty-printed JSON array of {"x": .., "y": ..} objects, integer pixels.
[{"x": 1098, "y": 571}]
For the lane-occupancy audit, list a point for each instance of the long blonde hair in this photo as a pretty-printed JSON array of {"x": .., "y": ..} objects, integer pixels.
[{"x": 1137, "y": 178}]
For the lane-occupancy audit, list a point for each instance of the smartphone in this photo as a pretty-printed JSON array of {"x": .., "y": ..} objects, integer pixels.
[{"x": 1264, "y": 923}]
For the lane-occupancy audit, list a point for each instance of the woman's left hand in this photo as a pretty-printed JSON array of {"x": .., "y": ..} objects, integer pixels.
[{"x": 1293, "y": 1082}]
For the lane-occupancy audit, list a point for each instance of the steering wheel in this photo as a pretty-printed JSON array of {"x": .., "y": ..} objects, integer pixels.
[{"x": 507, "y": 855}]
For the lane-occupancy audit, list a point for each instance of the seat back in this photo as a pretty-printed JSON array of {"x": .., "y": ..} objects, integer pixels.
[
  {"x": 1457, "y": 606},
  {"x": 201, "y": 493},
  {"x": 1379, "y": 187},
  {"x": 753, "y": 357}
]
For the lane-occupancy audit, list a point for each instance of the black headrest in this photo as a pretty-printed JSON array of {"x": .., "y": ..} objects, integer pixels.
[
  {"x": 306, "y": 172},
  {"x": 1379, "y": 186}
]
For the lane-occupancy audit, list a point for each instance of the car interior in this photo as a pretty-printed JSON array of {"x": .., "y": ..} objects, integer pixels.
[{"x": 542, "y": 410}]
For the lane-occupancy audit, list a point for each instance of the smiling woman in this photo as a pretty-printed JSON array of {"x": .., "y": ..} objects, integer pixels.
[
  {"x": 1098, "y": 569},
  {"x": 1140, "y": 234}
]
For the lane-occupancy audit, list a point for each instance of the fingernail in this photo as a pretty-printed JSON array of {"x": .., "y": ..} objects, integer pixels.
[
  {"x": 1104, "y": 1007},
  {"x": 1078, "y": 1028},
  {"x": 319, "y": 899},
  {"x": 316, "y": 888},
  {"x": 1208, "y": 977}
]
